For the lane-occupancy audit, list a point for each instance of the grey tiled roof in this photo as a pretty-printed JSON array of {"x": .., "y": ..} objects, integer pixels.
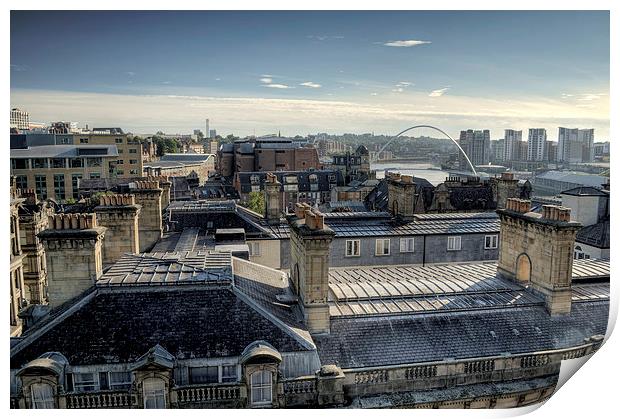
[
  {"x": 597, "y": 235},
  {"x": 173, "y": 268},
  {"x": 117, "y": 327},
  {"x": 380, "y": 341}
]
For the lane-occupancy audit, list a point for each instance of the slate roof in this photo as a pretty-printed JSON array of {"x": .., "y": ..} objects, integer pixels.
[
  {"x": 585, "y": 191},
  {"x": 597, "y": 235},
  {"x": 117, "y": 327},
  {"x": 379, "y": 341},
  {"x": 464, "y": 198},
  {"x": 186, "y": 157},
  {"x": 325, "y": 179}
]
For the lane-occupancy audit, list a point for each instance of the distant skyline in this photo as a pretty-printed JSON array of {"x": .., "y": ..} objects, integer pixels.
[{"x": 308, "y": 72}]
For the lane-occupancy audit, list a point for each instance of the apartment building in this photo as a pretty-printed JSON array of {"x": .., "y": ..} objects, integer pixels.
[
  {"x": 536, "y": 144},
  {"x": 575, "y": 145},
  {"x": 20, "y": 119},
  {"x": 54, "y": 171},
  {"x": 512, "y": 141},
  {"x": 130, "y": 159}
]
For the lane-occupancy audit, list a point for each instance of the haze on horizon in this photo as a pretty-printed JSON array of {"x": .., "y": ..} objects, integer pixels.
[{"x": 307, "y": 72}]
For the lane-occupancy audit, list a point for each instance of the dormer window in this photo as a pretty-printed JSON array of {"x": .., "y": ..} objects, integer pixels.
[
  {"x": 42, "y": 396},
  {"x": 261, "y": 391}
]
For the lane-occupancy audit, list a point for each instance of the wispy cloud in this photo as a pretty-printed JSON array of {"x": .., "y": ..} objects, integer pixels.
[
  {"x": 590, "y": 96},
  {"x": 373, "y": 94},
  {"x": 398, "y": 90},
  {"x": 150, "y": 113},
  {"x": 266, "y": 80},
  {"x": 278, "y": 86},
  {"x": 324, "y": 37},
  {"x": 130, "y": 73},
  {"x": 19, "y": 67},
  {"x": 438, "y": 92},
  {"x": 166, "y": 82},
  {"x": 310, "y": 84},
  {"x": 406, "y": 43},
  {"x": 404, "y": 84}
]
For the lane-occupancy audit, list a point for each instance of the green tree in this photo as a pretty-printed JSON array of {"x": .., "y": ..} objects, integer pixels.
[{"x": 256, "y": 202}]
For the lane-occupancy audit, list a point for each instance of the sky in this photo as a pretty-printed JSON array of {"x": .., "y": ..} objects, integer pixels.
[{"x": 307, "y": 72}]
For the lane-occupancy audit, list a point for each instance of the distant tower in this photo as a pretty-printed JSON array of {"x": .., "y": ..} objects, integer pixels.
[{"x": 207, "y": 126}]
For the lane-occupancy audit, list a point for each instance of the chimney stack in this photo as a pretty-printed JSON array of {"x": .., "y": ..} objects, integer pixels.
[
  {"x": 401, "y": 195},
  {"x": 273, "y": 199},
  {"x": 148, "y": 195},
  {"x": 73, "y": 247},
  {"x": 120, "y": 215},
  {"x": 537, "y": 249}
]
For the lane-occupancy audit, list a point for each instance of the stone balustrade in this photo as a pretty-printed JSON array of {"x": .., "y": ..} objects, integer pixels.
[
  {"x": 206, "y": 393},
  {"x": 102, "y": 400},
  {"x": 304, "y": 385}
]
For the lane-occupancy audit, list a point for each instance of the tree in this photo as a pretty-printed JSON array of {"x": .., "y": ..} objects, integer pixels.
[
  {"x": 166, "y": 145},
  {"x": 256, "y": 202}
]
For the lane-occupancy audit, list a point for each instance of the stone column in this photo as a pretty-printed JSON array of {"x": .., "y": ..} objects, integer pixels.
[
  {"x": 119, "y": 214},
  {"x": 310, "y": 242},
  {"x": 273, "y": 199},
  {"x": 73, "y": 246},
  {"x": 148, "y": 195}
]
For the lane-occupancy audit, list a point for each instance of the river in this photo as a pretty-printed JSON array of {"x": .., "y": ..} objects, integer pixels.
[{"x": 433, "y": 174}]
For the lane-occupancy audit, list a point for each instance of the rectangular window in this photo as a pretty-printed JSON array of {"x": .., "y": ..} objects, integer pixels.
[
  {"x": 85, "y": 381},
  {"x": 103, "y": 381},
  {"x": 39, "y": 163},
  {"x": 133, "y": 161},
  {"x": 95, "y": 175},
  {"x": 120, "y": 162},
  {"x": 58, "y": 163},
  {"x": 118, "y": 141},
  {"x": 133, "y": 171},
  {"x": 407, "y": 245},
  {"x": 352, "y": 248},
  {"x": 260, "y": 383},
  {"x": 254, "y": 248},
  {"x": 203, "y": 375},
  {"x": 454, "y": 243},
  {"x": 40, "y": 185},
  {"x": 120, "y": 151},
  {"x": 59, "y": 186},
  {"x": 154, "y": 391},
  {"x": 120, "y": 380},
  {"x": 94, "y": 161},
  {"x": 21, "y": 182},
  {"x": 42, "y": 396},
  {"x": 229, "y": 374},
  {"x": 76, "y": 163},
  {"x": 382, "y": 247},
  {"x": 133, "y": 151},
  {"x": 490, "y": 242},
  {"x": 75, "y": 184},
  {"x": 120, "y": 172},
  {"x": 83, "y": 140},
  {"x": 19, "y": 163}
]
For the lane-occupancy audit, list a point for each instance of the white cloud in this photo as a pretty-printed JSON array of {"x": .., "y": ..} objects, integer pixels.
[
  {"x": 278, "y": 86},
  {"x": 217, "y": 79},
  {"x": 19, "y": 67},
  {"x": 166, "y": 82},
  {"x": 373, "y": 94},
  {"x": 130, "y": 73},
  {"x": 310, "y": 84},
  {"x": 266, "y": 75},
  {"x": 438, "y": 92},
  {"x": 590, "y": 96},
  {"x": 404, "y": 84},
  {"x": 398, "y": 90},
  {"x": 241, "y": 115},
  {"x": 266, "y": 80},
  {"x": 324, "y": 37},
  {"x": 406, "y": 43}
]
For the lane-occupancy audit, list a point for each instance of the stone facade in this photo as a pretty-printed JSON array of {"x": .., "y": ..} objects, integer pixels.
[
  {"x": 16, "y": 269},
  {"x": 538, "y": 249},
  {"x": 504, "y": 187},
  {"x": 401, "y": 196},
  {"x": 273, "y": 199},
  {"x": 120, "y": 215},
  {"x": 310, "y": 241},
  {"x": 73, "y": 250},
  {"x": 148, "y": 195},
  {"x": 33, "y": 218}
]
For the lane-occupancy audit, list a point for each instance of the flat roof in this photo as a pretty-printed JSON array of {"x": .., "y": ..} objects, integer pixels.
[{"x": 63, "y": 151}]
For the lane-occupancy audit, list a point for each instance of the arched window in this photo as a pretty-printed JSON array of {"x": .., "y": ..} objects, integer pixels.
[
  {"x": 154, "y": 390},
  {"x": 42, "y": 396},
  {"x": 261, "y": 387}
]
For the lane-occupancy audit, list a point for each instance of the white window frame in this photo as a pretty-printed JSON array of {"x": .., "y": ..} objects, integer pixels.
[
  {"x": 355, "y": 247},
  {"x": 46, "y": 403},
  {"x": 262, "y": 386},
  {"x": 254, "y": 248},
  {"x": 236, "y": 375},
  {"x": 119, "y": 385},
  {"x": 78, "y": 383},
  {"x": 383, "y": 247},
  {"x": 404, "y": 245},
  {"x": 493, "y": 240},
  {"x": 456, "y": 243},
  {"x": 154, "y": 393}
]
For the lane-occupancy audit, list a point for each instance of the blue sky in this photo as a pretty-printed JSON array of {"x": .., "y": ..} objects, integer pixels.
[{"x": 315, "y": 71}]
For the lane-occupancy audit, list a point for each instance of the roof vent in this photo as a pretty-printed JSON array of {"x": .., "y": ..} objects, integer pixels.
[
  {"x": 493, "y": 334},
  {"x": 515, "y": 332}
]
